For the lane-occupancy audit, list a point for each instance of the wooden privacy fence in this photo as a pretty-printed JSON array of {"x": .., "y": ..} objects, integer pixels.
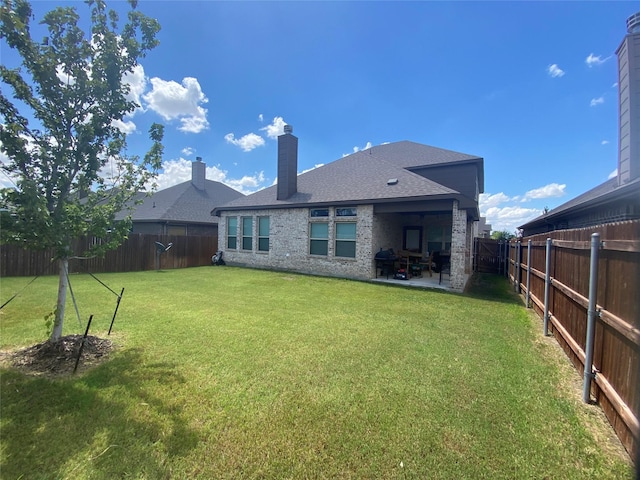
[
  {"x": 489, "y": 255},
  {"x": 137, "y": 253},
  {"x": 586, "y": 288}
]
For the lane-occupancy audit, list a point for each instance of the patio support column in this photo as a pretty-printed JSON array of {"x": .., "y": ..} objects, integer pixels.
[{"x": 458, "y": 247}]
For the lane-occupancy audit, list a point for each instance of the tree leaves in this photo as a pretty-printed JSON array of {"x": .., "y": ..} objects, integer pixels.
[{"x": 58, "y": 127}]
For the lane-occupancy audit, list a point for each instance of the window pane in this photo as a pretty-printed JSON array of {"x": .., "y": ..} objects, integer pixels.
[
  {"x": 263, "y": 227},
  {"x": 232, "y": 243},
  {"x": 345, "y": 231},
  {"x": 319, "y": 212},
  {"x": 319, "y": 247},
  {"x": 232, "y": 225},
  {"x": 345, "y": 249},
  {"x": 247, "y": 226},
  {"x": 319, "y": 230},
  {"x": 346, "y": 212},
  {"x": 246, "y": 243},
  {"x": 263, "y": 244}
]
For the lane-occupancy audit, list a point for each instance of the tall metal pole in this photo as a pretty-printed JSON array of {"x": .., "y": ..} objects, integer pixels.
[
  {"x": 591, "y": 318},
  {"x": 517, "y": 270},
  {"x": 528, "y": 271},
  {"x": 547, "y": 285}
]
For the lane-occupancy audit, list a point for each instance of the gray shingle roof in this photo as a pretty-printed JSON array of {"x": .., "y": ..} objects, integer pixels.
[
  {"x": 184, "y": 203},
  {"x": 363, "y": 176},
  {"x": 604, "y": 192}
]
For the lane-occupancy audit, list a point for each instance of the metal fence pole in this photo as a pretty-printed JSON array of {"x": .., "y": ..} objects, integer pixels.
[
  {"x": 547, "y": 285},
  {"x": 518, "y": 272},
  {"x": 591, "y": 318},
  {"x": 528, "y": 272}
]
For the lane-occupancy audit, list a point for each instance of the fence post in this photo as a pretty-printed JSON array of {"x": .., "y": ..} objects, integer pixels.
[
  {"x": 528, "y": 271},
  {"x": 591, "y": 318},
  {"x": 517, "y": 271},
  {"x": 505, "y": 267},
  {"x": 547, "y": 285}
]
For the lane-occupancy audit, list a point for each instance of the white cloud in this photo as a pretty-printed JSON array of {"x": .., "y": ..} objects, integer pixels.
[
  {"x": 367, "y": 146},
  {"x": 604, "y": 142},
  {"x": 65, "y": 78},
  {"x": 613, "y": 174},
  {"x": 6, "y": 181},
  {"x": 488, "y": 200},
  {"x": 592, "y": 60},
  {"x": 261, "y": 118},
  {"x": 555, "y": 71},
  {"x": 247, "y": 142},
  {"x": 247, "y": 184},
  {"x": 596, "y": 101},
  {"x": 137, "y": 82},
  {"x": 318, "y": 165},
  {"x": 357, "y": 149},
  {"x": 506, "y": 213},
  {"x": 172, "y": 100},
  {"x": 276, "y": 128},
  {"x": 178, "y": 171},
  {"x": 125, "y": 126},
  {"x": 510, "y": 218},
  {"x": 553, "y": 190},
  {"x": 615, "y": 85}
]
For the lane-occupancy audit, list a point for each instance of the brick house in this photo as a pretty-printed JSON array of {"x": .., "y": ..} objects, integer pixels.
[
  {"x": 332, "y": 220},
  {"x": 182, "y": 209}
]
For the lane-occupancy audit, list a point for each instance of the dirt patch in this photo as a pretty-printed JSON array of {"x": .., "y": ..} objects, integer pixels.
[{"x": 58, "y": 359}]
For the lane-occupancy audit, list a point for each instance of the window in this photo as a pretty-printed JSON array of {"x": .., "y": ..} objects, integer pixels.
[
  {"x": 319, "y": 238},
  {"x": 412, "y": 239},
  {"x": 346, "y": 212},
  {"x": 247, "y": 233},
  {"x": 232, "y": 233},
  {"x": 263, "y": 234},
  {"x": 439, "y": 238},
  {"x": 319, "y": 212},
  {"x": 346, "y": 239},
  {"x": 179, "y": 230}
]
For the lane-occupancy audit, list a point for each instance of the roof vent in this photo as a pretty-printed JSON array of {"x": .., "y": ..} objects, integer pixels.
[
  {"x": 288, "y": 129},
  {"x": 392, "y": 181}
]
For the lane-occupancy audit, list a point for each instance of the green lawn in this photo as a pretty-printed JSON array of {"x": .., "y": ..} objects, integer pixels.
[{"x": 235, "y": 373}]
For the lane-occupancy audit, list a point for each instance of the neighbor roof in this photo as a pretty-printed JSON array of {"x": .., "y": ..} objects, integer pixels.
[
  {"x": 363, "y": 177},
  {"x": 184, "y": 203},
  {"x": 603, "y": 193}
]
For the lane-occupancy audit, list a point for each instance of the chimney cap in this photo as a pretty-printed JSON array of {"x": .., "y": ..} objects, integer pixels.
[{"x": 288, "y": 129}]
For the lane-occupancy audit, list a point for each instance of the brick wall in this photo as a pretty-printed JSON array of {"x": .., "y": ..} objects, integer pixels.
[
  {"x": 459, "y": 246},
  {"x": 289, "y": 243}
]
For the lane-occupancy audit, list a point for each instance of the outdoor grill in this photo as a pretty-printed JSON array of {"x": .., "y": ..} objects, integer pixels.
[{"x": 385, "y": 262}]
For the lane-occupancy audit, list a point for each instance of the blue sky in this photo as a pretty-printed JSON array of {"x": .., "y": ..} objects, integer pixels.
[{"x": 529, "y": 86}]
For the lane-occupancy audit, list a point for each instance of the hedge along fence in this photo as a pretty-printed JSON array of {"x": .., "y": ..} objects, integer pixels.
[
  {"x": 554, "y": 272},
  {"x": 137, "y": 253}
]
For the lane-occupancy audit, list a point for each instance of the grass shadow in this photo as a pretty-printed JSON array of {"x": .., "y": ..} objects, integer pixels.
[
  {"x": 114, "y": 417},
  {"x": 488, "y": 286}
]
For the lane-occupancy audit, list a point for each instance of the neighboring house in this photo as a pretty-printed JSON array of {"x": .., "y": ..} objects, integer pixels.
[
  {"x": 332, "y": 220},
  {"x": 618, "y": 198},
  {"x": 483, "y": 229},
  {"x": 183, "y": 209}
]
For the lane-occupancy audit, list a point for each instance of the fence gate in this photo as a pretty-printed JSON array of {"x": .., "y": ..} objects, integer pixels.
[{"x": 488, "y": 255}]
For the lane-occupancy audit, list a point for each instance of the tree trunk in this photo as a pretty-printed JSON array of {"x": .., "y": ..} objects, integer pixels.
[{"x": 63, "y": 282}]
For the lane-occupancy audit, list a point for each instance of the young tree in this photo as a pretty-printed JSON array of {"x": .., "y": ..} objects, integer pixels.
[
  {"x": 502, "y": 235},
  {"x": 59, "y": 130}
]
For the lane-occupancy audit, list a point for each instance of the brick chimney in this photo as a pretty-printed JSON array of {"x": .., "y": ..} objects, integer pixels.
[
  {"x": 629, "y": 103},
  {"x": 287, "y": 164},
  {"x": 198, "y": 173}
]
